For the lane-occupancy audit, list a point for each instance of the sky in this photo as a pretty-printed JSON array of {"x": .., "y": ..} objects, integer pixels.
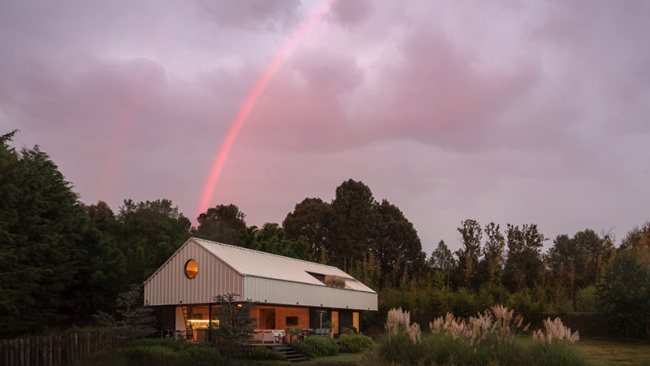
[{"x": 505, "y": 111}]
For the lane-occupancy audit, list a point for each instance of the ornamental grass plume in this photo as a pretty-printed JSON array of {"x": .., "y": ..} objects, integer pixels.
[
  {"x": 400, "y": 321},
  {"x": 499, "y": 322},
  {"x": 554, "y": 330}
]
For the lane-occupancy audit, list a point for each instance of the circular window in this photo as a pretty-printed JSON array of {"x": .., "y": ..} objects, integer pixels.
[{"x": 191, "y": 268}]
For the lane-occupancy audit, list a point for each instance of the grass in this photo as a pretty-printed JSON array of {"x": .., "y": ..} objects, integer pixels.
[{"x": 601, "y": 352}]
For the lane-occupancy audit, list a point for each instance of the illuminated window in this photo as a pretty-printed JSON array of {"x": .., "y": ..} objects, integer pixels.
[{"x": 191, "y": 268}]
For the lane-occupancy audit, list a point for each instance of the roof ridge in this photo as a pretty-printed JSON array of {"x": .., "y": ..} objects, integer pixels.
[{"x": 265, "y": 253}]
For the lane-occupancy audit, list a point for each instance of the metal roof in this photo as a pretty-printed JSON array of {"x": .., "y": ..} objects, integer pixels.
[{"x": 249, "y": 262}]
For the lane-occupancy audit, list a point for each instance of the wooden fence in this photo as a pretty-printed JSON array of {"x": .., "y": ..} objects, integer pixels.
[{"x": 60, "y": 349}]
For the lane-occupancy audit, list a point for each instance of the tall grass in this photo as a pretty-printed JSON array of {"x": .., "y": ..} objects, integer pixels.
[{"x": 491, "y": 338}]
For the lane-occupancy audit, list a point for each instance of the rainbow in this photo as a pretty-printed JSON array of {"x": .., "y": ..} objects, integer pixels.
[{"x": 249, "y": 104}]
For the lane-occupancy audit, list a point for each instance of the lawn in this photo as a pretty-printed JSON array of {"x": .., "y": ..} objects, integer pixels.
[{"x": 601, "y": 352}]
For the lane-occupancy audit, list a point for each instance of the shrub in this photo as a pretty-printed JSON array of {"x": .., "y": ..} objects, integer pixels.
[
  {"x": 317, "y": 346},
  {"x": 170, "y": 352},
  {"x": 355, "y": 343},
  {"x": 558, "y": 353},
  {"x": 586, "y": 299},
  {"x": 263, "y": 353}
]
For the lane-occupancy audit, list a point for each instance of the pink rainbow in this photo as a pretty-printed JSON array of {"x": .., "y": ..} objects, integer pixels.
[{"x": 250, "y": 102}]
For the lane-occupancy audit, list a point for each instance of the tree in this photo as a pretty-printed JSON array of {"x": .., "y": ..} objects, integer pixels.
[
  {"x": 493, "y": 252},
  {"x": 311, "y": 220},
  {"x": 524, "y": 262},
  {"x": 131, "y": 319},
  {"x": 221, "y": 223},
  {"x": 398, "y": 246},
  {"x": 468, "y": 255},
  {"x": 353, "y": 229},
  {"x": 442, "y": 259},
  {"x": 624, "y": 293},
  {"x": 271, "y": 238},
  {"x": 235, "y": 324},
  {"x": 43, "y": 234},
  {"x": 101, "y": 216},
  {"x": 148, "y": 233}
]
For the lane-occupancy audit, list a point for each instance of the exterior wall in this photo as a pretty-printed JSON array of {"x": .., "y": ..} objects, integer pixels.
[
  {"x": 170, "y": 286},
  {"x": 264, "y": 290},
  {"x": 281, "y": 314}
]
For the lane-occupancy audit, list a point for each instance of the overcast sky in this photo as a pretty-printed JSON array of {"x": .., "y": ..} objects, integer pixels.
[{"x": 506, "y": 111}]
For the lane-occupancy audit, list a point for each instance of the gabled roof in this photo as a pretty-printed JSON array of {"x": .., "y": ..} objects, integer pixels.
[{"x": 255, "y": 263}]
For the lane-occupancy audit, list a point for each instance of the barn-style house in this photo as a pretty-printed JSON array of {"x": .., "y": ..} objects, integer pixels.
[{"x": 286, "y": 292}]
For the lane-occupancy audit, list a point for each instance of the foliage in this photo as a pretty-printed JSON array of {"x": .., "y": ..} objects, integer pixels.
[
  {"x": 156, "y": 352},
  {"x": 468, "y": 255},
  {"x": 625, "y": 294},
  {"x": 558, "y": 353},
  {"x": 148, "y": 233},
  {"x": 490, "y": 338},
  {"x": 222, "y": 223},
  {"x": 524, "y": 263},
  {"x": 587, "y": 299},
  {"x": 398, "y": 248},
  {"x": 293, "y": 331},
  {"x": 317, "y": 346},
  {"x": 235, "y": 324},
  {"x": 49, "y": 253},
  {"x": 271, "y": 238},
  {"x": 355, "y": 343},
  {"x": 310, "y": 220},
  {"x": 263, "y": 353},
  {"x": 133, "y": 321}
]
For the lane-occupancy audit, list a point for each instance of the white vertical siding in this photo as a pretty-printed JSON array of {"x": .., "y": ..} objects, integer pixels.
[
  {"x": 169, "y": 285},
  {"x": 273, "y": 291}
]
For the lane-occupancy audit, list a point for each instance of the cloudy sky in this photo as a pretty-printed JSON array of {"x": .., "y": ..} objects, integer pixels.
[{"x": 507, "y": 111}]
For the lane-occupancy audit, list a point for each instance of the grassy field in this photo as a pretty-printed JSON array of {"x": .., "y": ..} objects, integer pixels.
[{"x": 601, "y": 352}]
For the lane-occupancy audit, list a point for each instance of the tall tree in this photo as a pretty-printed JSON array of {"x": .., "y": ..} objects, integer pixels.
[
  {"x": 310, "y": 219},
  {"x": 468, "y": 254},
  {"x": 353, "y": 229},
  {"x": 398, "y": 246},
  {"x": 493, "y": 252},
  {"x": 222, "y": 223},
  {"x": 271, "y": 238},
  {"x": 442, "y": 259},
  {"x": 42, "y": 228},
  {"x": 148, "y": 233},
  {"x": 523, "y": 265},
  {"x": 625, "y": 293}
]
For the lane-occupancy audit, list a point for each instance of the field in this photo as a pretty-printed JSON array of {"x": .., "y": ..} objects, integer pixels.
[{"x": 601, "y": 352}]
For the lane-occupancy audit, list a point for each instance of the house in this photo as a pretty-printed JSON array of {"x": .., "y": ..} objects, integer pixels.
[{"x": 286, "y": 292}]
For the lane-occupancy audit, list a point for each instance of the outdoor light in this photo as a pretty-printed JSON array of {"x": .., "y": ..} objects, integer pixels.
[{"x": 239, "y": 306}]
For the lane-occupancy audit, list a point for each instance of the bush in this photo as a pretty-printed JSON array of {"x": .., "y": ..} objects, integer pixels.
[
  {"x": 263, "y": 353},
  {"x": 317, "y": 346},
  {"x": 558, "y": 353},
  {"x": 355, "y": 343},
  {"x": 170, "y": 352},
  {"x": 586, "y": 299}
]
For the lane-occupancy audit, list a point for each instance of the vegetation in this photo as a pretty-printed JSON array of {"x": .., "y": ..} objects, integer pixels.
[
  {"x": 150, "y": 352},
  {"x": 235, "y": 325},
  {"x": 355, "y": 343},
  {"x": 489, "y": 338},
  {"x": 131, "y": 321},
  {"x": 62, "y": 260},
  {"x": 317, "y": 346}
]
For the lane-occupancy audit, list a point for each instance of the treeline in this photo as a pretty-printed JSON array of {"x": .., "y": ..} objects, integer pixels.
[{"x": 62, "y": 260}]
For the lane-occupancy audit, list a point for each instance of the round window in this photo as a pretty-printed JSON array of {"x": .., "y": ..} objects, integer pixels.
[{"x": 191, "y": 268}]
